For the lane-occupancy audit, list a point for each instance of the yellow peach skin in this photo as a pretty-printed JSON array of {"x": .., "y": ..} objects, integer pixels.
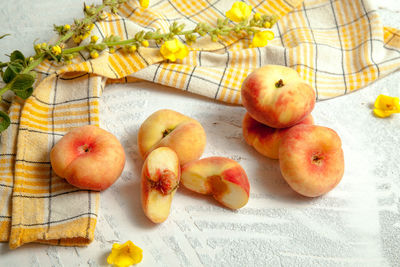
[
  {"x": 221, "y": 177},
  {"x": 88, "y": 157},
  {"x": 168, "y": 128},
  {"x": 263, "y": 138},
  {"x": 160, "y": 179},
  {"x": 277, "y": 96},
  {"x": 311, "y": 159}
]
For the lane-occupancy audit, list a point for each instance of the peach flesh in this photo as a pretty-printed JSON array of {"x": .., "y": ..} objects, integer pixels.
[
  {"x": 221, "y": 177},
  {"x": 160, "y": 179}
]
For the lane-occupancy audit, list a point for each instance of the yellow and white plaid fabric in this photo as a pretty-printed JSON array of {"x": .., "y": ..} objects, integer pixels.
[{"x": 338, "y": 46}]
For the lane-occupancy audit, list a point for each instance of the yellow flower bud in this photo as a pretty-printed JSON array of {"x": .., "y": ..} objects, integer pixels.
[
  {"x": 94, "y": 54},
  {"x": 67, "y": 27},
  {"x": 132, "y": 48},
  {"x": 257, "y": 16},
  {"x": 37, "y": 46},
  {"x": 112, "y": 50},
  {"x": 94, "y": 38},
  {"x": 267, "y": 24},
  {"x": 43, "y": 45},
  {"x": 77, "y": 39},
  {"x": 145, "y": 43}
]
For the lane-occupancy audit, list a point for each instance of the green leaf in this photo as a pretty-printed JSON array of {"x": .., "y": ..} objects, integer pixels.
[
  {"x": 12, "y": 70},
  {"x": 24, "y": 94},
  {"x": 17, "y": 55},
  {"x": 1, "y": 37},
  {"x": 22, "y": 82},
  {"x": 4, "y": 121}
]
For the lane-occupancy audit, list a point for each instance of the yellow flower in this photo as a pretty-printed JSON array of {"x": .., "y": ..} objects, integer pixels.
[
  {"x": 145, "y": 43},
  {"x": 125, "y": 255},
  {"x": 43, "y": 45},
  {"x": 94, "y": 54},
  {"x": 94, "y": 38},
  {"x": 111, "y": 50},
  {"x": 144, "y": 3},
  {"x": 174, "y": 50},
  {"x": 239, "y": 12},
  {"x": 386, "y": 105},
  {"x": 261, "y": 39},
  {"x": 67, "y": 27},
  {"x": 257, "y": 16},
  {"x": 56, "y": 50}
]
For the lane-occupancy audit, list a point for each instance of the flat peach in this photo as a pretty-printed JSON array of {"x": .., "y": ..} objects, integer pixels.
[
  {"x": 168, "y": 128},
  {"x": 311, "y": 159},
  {"x": 277, "y": 96},
  {"x": 265, "y": 139},
  {"x": 88, "y": 157}
]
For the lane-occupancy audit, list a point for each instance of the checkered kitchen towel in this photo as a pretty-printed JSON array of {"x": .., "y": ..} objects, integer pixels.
[{"x": 337, "y": 45}]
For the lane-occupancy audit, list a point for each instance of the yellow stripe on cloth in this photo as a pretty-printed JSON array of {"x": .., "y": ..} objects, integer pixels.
[{"x": 337, "y": 46}]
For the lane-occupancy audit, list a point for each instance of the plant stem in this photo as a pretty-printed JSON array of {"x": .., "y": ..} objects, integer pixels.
[
  {"x": 154, "y": 37},
  {"x": 5, "y": 89},
  {"x": 85, "y": 20},
  {"x": 34, "y": 63}
]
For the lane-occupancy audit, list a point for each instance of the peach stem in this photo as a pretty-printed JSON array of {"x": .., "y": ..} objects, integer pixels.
[{"x": 279, "y": 84}]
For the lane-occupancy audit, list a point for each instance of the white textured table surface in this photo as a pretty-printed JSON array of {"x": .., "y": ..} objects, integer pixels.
[{"x": 357, "y": 224}]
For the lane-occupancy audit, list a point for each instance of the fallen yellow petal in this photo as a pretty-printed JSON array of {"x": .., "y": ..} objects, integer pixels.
[
  {"x": 125, "y": 255},
  {"x": 386, "y": 105}
]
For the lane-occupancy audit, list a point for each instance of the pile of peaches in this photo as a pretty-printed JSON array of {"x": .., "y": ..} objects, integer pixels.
[{"x": 277, "y": 124}]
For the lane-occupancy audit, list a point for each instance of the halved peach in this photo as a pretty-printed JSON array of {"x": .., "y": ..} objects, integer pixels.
[
  {"x": 220, "y": 177},
  {"x": 160, "y": 179}
]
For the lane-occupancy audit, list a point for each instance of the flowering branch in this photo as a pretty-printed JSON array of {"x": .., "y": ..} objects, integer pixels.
[{"x": 19, "y": 75}]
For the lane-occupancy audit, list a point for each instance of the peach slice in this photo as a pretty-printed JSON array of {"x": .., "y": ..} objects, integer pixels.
[
  {"x": 160, "y": 179},
  {"x": 88, "y": 157},
  {"x": 311, "y": 159},
  {"x": 221, "y": 177},
  {"x": 277, "y": 96},
  {"x": 263, "y": 138},
  {"x": 168, "y": 128}
]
